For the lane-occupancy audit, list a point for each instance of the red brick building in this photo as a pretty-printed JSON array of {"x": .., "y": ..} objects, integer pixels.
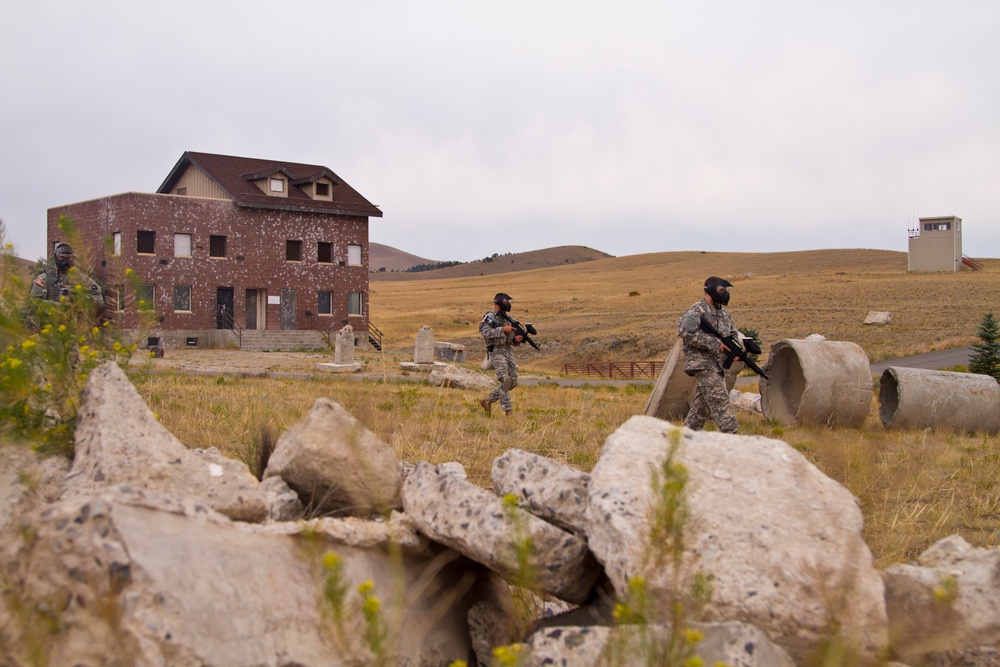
[{"x": 230, "y": 243}]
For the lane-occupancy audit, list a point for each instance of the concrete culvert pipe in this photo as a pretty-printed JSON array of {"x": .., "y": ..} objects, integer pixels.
[
  {"x": 918, "y": 398},
  {"x": 817, "y": 382}
]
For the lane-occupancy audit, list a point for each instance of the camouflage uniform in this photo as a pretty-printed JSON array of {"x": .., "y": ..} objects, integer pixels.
[
  {"x": 703, "y": 360},
  {"x": 501, "y": 357},
  {"x": 50, "y": 283}
]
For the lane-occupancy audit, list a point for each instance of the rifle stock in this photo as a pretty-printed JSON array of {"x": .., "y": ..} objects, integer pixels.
[{"x": 736, "y": 350}]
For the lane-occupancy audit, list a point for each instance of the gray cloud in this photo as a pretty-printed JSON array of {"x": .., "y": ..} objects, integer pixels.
[{"x": 644, "y": 127}]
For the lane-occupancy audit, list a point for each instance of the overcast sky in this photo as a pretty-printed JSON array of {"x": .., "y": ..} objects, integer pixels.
[{"x": 629, "y": 127}]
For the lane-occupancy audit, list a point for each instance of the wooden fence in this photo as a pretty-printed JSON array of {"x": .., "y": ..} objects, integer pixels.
[{"x": 624, "y": 370}]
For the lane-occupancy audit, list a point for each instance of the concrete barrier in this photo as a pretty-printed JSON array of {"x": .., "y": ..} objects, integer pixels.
[
  {"x": 817, "y": 382},
  {"x": 920, "y": 398}
]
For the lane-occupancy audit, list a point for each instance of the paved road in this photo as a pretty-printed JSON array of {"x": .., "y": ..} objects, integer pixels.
[{"x": 957, "y": 356}]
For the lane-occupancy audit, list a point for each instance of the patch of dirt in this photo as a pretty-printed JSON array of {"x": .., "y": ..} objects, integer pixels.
[{"x": 234, "y": 361}]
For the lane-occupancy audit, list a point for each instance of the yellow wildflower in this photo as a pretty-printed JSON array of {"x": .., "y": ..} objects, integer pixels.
[{"x": 371, "y": 605}]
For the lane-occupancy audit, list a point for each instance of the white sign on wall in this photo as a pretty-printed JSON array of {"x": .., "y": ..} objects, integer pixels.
[{"x": 273, "y": 300}]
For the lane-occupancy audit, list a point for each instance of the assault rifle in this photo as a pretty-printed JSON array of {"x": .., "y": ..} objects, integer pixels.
[
  {"x": 736, "y": 351},
  {"x": 519, "y": 330}
]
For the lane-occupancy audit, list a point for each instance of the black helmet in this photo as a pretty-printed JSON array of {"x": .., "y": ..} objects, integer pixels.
[
  {"x": 63, "y": 254},
  {"x": 503, "y": 300},
  {"x": 718, "y": 289}
]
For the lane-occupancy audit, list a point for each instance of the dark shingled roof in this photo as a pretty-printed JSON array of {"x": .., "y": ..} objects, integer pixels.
[{"x": 235, "y": 175}]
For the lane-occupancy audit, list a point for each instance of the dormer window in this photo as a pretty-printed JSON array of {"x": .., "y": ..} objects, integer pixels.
[
  {"x": 277, "y": 185},
  {"x": 322, "y": 189}
]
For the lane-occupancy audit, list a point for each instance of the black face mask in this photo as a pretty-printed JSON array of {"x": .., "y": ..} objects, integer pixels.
[
  {"x": 64, "y": 261},
  {"x": 719, "y": 294},
  {"x": 503, "y": 301}
]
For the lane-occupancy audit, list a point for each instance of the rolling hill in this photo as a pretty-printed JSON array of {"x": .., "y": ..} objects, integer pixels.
[
  {"x": 390, "y": 259},
  {"x": 496, "y": 264}
]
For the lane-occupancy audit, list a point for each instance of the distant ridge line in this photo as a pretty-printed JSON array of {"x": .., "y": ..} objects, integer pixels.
[{"x": 491, "y": 265}]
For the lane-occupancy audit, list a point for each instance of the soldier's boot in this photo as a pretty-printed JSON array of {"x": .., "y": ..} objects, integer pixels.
[
  {"x": 485, "y": 402},
  {"x": 509, "y": 413}
]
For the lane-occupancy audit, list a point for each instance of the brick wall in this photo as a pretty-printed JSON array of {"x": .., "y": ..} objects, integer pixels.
[{"x": 255, "y": 257}]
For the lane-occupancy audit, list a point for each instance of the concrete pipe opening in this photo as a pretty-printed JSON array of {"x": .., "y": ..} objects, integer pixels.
[
  {"x": 817, "y": 382},
  {"x": 919, "y": 398}
]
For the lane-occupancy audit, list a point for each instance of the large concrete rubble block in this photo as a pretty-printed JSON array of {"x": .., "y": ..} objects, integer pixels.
[
  {"x": 878, "y": 317},
  {"x": 27, "y": 480},
  {"x": 733, "y": 644},
  {"x": 336, "y": 464},
  {"x": 671, "y": 395},
  {"x": 451, "y": 352},
  {"x": 673, "y": 392},
  {"x": 451, "y": 510},
  {"x": 946, "y": 602},
  {"x": 781, "y": 542},
  {"x": 423, "y": 347},
  {"x": 119, "y": 440},
  {"x": 133, "y": 579},
  {"x": 460, "y": 378},
  {"x": 550, "y": 490}
]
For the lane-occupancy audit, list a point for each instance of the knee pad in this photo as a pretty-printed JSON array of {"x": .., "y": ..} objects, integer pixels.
[{"x": 507, "y": 383}]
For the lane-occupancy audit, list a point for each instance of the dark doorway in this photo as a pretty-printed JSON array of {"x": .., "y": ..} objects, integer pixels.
[
  {"x": 251, "y": 309},
  {"x": 224, "y": 308},
  {"x": 287, "y": 309}
]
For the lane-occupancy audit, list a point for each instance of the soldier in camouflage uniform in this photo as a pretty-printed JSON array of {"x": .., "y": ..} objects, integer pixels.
[
  {"x": 704, "y": 355},
  {"x": 500, "y": 337},
  {"x": 60, "y": 279}
]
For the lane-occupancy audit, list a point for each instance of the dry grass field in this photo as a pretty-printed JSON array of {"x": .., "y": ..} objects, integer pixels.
[
  {"x": 914, "y": 487},
  {"x": 626, "y": 308}
]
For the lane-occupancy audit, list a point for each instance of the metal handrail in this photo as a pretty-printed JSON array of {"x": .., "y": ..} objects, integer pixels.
[
  {"x": 374, "y": 335},
  {"x": 229, "y": 322}
]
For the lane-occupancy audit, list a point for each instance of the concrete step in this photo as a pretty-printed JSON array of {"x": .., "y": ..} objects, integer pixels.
[{"x": 258, "y": 340}]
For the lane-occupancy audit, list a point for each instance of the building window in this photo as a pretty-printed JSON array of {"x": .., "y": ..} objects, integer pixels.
[
  {"x": 182, "y": 191},
  {"x": 182, "y": 245},
  {"x": 293, "y": 251},
  {"x": 277, "y": 185},
  {"x": 144, "y": 297},
  {"x": 325, "y": 299},
  {"x": 322, "y": 189},
  {"x": 354, "y": 303},
  {"x": 324, "y": 253},
  {"x": 145, "y": 242},
  {"x": 354, "y": 255},
  {"x": 216, "y": 246},
  {"x": 182, "y": 298},
  {"x": 116, "y": 243}
]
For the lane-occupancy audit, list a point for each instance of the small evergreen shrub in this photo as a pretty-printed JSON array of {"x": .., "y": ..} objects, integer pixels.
[{"x": 985, "y": 357}]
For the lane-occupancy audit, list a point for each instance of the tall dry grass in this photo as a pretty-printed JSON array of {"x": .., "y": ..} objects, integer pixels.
[{"x": 914, "y": 487}]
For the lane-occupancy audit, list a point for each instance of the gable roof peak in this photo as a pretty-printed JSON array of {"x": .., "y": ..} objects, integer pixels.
[{"x": 235, "y": 175}]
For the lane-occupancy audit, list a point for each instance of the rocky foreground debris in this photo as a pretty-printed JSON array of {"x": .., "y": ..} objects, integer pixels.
[{"x": 143, "y": 552}]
